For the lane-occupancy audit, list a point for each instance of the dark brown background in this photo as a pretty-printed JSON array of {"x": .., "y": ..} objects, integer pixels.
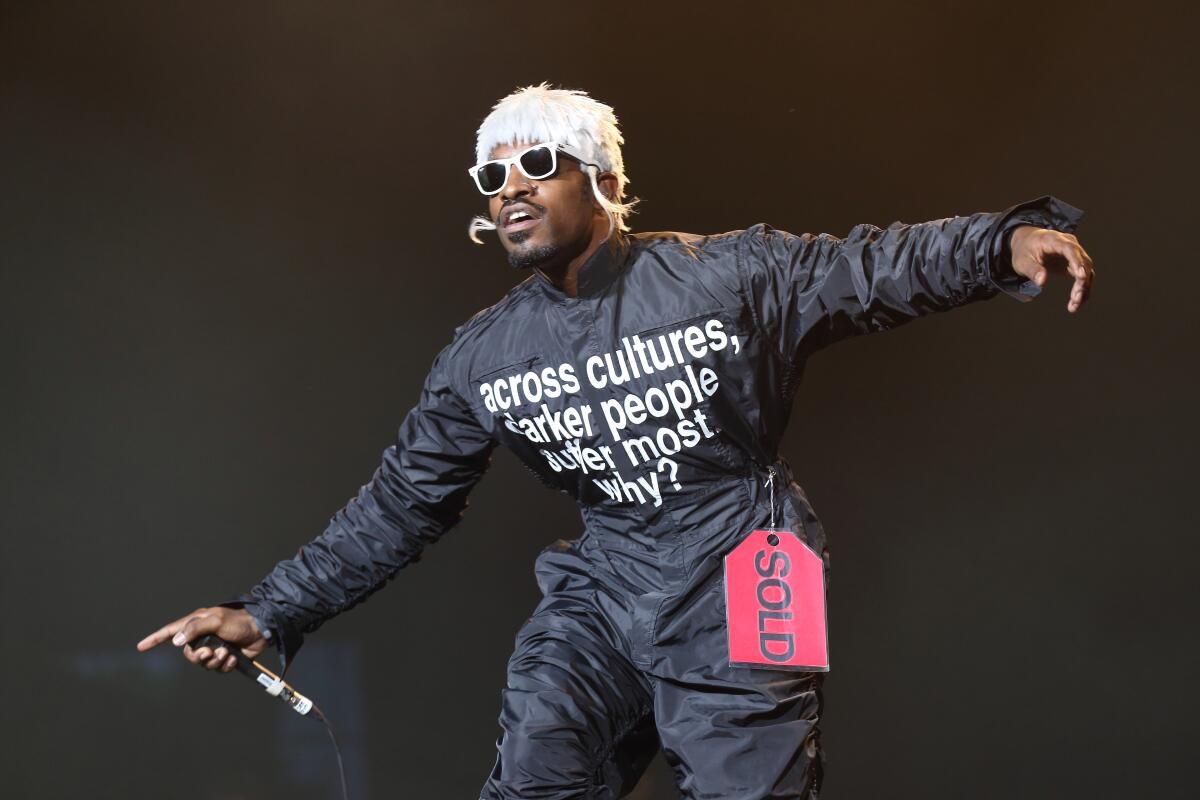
[{"x": 233, "y": 238}]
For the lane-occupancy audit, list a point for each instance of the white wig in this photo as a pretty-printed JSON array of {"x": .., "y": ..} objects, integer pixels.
[{"x": 541, "y": 114}]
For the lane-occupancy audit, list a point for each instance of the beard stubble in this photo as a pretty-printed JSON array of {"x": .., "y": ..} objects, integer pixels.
[{"x": 527, "y": 259}]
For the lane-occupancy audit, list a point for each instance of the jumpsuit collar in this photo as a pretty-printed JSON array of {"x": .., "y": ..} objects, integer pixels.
[{"x": 597, "y": 273}]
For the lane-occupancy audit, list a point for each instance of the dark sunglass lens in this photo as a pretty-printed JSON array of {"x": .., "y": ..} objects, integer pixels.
[
  {"x": 538, "y": 162},
  {"x": 491, "y": 176}
]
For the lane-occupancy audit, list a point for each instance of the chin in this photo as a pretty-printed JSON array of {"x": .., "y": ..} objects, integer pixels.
[
  {"x": 533, "y": 256},
  {"x": 518, "y": 238}
]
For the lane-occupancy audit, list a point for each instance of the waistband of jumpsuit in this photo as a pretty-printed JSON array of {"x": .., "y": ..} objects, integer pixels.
[
  {"x": 657, "y": 549},
  {"x": 625, "y": 516}
]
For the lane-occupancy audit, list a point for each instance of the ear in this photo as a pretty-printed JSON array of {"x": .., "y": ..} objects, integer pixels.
[{"x": 607, "y": 181}]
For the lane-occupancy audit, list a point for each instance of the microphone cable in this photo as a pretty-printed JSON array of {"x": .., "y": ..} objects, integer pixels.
[{"x": 275, "y": 686}]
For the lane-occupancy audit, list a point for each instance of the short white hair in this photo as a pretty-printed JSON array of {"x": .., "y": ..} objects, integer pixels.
[{"x": 567, "y": 116}]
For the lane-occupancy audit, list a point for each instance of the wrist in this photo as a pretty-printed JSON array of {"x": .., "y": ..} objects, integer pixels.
[
  {"x": 1018, "y": 236},
  {"x": 261, "y": 628}
]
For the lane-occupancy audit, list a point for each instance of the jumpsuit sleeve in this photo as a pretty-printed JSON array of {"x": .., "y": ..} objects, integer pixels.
[
  {"x": 417, "y": 494},
  {"x": 810, "y": 291}
]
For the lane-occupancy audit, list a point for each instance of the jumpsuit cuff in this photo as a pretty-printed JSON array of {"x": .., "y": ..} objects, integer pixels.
[
  {"x": 1044, "y": 212},
  {"x": 282, "y": 637}
]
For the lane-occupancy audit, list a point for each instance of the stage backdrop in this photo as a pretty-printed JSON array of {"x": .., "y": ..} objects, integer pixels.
[{"x": 233, "y": 239}]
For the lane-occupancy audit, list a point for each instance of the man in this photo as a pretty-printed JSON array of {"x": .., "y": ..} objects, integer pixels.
[{"x": 651, "y": 377}]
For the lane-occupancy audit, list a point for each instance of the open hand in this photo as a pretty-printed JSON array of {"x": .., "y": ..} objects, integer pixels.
[
  {"x": 235, "y": 626},
  {"x": 1036, "y": 252}
]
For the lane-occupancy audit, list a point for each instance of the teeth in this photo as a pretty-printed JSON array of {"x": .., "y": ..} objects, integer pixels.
[{"x": 517, "y": 216}]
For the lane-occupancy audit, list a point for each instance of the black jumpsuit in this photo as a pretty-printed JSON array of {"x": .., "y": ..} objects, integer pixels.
[{"x": 657, "y": 398}]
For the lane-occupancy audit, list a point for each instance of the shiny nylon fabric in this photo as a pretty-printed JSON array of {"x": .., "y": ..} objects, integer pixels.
[
  {"x": 628, "y": 650},
  {"x": 579, "y": 719}
]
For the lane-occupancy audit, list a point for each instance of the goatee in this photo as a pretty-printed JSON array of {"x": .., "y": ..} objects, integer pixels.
[{"x": 527, "y": 259}]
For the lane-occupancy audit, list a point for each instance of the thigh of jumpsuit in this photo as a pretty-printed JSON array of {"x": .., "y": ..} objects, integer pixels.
[
  {"x": 734, "y": 733},
  {"x": 576, "y": 716}
]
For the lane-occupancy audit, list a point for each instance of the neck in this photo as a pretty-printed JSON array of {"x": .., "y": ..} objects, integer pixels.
[{"x": 565, "y": 275}]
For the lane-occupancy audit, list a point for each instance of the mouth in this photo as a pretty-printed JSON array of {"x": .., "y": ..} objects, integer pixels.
[{"x": 519, "y": 217}]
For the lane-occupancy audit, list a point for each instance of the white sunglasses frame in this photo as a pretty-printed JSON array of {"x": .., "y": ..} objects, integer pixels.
[{"x": 516, "y": 160}]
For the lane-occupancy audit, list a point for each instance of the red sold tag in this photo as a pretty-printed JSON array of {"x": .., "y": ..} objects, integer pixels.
[{"x": 775, "y": 603}]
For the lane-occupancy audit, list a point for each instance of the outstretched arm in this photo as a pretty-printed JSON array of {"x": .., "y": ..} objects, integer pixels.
[
  {"x": 814, "y": 290},
  {"x": 417, "y": 494}
]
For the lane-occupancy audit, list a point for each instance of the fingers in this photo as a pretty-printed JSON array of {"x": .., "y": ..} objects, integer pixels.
[
  {"x": 208, "y": 658},
  {"x": 1062, "y": 252},
  {"x": 217, "y": 661},
  {"x": 193, "y": 627},
  {"x": 221, "y": 660},
  {"x": 1078, "y": 295},
  {"x": 184, "y": 630},
  {"x": 196, "y": 626},
  {"x": 1082, "y": 270},
  {"x": 166, "y": 632}
]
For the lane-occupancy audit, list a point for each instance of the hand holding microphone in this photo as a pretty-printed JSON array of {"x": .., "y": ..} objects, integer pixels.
[
  {"x": 231, "y": 627},
  {"x": 211, "y": 638}
]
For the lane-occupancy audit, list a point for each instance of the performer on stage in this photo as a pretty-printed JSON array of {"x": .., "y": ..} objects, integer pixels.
[{"x": 651, "y": 377}]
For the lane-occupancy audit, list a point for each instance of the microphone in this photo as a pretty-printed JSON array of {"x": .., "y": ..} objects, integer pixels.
[
  {"x": 271, "y": 683},
  {"x": 275, "y": 687}
]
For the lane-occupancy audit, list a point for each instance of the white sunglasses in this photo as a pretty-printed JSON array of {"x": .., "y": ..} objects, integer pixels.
[{"x": 536, "y": 162}]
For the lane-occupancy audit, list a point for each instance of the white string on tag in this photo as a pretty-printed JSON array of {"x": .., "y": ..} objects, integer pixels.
[{"x": 771, "y": 485}]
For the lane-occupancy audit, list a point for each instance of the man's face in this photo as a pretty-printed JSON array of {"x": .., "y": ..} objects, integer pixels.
[{"x": 561, "y": 213}]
